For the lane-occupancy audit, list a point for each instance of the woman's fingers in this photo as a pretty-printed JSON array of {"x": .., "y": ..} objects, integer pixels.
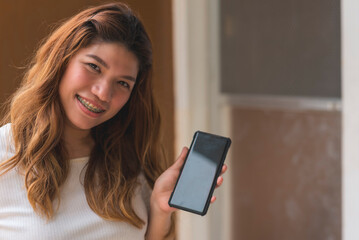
[
  {"x": 220, "y": 178},
  {"x": 219, "y": 181},
  {"x": 224, "y": 169},
  {"x": 180, "y": 160}
]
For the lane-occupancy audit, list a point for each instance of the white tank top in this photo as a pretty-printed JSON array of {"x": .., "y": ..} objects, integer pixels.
[{"x": 74, "y": 218}]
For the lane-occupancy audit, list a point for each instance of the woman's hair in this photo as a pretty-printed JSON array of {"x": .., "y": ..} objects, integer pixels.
[{"x": 124, "y": 145}]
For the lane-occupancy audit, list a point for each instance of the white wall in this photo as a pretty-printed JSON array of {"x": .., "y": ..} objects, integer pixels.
[{"x": 197, "y": 102}]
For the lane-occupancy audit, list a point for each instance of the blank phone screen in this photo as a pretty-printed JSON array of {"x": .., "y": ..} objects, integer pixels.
[{"x": 199, "y": 172}]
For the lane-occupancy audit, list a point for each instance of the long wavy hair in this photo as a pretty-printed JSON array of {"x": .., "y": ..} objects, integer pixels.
[{"x": 125, "y": 145}]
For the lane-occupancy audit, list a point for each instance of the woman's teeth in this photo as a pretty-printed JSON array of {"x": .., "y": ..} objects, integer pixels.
[{"x": 89, "y": 106}]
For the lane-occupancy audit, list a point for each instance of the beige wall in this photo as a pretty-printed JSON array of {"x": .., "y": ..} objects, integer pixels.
[{"x": 24, "y": 23}]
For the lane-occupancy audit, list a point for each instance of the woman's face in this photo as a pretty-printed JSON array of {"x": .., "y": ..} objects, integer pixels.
[{"x": 97, "y": 83}]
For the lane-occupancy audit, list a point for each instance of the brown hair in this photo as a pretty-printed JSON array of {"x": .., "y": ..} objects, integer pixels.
[{"x": 124, "y": 145}]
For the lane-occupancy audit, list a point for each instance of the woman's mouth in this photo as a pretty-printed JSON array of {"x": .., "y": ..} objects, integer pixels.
[{"x": 89, "y": 106}]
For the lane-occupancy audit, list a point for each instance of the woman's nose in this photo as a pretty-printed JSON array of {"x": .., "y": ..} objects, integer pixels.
[{"x": 102, "y": 90}]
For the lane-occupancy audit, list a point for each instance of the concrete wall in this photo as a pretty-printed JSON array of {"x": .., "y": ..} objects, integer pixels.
[
  {"x": 281, "y": 47},
  {"x": 287, "y": 181}
]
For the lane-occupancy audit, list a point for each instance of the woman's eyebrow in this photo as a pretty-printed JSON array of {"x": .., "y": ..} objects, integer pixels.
[
  {"x": 98, "y": 59},
  {"x": 129, "y": 78}
]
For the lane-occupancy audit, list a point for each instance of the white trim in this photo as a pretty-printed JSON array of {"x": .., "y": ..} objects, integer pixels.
[
  {"x": 221, "y": 210},
  {"x": 282, "y": 102},
  {"x": 220, "y": 123},
  {"x": 180, "y": 69},
  {"x": 350, "y": 139}
]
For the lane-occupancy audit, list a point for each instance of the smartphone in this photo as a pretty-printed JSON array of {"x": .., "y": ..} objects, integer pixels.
[{"x": 199, "y": 173}]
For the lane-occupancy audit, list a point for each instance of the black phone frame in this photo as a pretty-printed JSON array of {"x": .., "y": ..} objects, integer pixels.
[{"x": 214, "y": 183}]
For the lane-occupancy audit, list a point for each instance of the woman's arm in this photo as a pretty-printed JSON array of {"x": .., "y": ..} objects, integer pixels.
[
  {"x": 160, "y": 214},
  {"x": 159, "y": 225}
]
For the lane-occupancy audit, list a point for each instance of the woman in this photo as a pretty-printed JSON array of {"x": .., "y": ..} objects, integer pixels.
[{"x": 80, "y": 154}]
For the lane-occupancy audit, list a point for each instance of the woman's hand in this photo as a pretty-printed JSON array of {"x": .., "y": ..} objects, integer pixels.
[{"x": 166, "y": 183}]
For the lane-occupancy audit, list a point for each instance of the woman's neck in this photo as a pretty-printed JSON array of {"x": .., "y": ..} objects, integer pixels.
[{"x": 78, "y": 142}]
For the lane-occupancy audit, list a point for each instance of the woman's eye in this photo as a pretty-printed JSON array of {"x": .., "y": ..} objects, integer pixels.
[
  {"x": 123, "y": 83},
  {"x": 94, "y": 67}
]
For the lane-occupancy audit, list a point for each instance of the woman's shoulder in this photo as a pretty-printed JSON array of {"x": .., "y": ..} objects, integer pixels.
[
  {"x": 5, "y": 129},
  {"x": 6, "y": 141},
  {"x": 143, "y": 181},
  {"x": 145, "y": 190},
  {"x": 5, "y": 132}
]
